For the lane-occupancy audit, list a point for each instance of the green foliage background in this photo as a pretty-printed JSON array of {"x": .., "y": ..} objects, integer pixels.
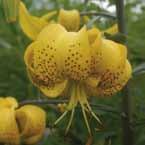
[{"x": 14, "y": 80}]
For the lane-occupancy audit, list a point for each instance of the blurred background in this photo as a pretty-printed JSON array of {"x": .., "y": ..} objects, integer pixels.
[{"x": 14, "y": 80}]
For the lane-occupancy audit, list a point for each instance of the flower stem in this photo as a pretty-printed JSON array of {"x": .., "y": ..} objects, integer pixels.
[
  {"x": 128, "y": 137},
  {"x": 101, "y": 107}
]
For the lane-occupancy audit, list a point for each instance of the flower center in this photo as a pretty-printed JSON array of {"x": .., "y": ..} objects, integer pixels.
[{"x": 78, "y": 95}]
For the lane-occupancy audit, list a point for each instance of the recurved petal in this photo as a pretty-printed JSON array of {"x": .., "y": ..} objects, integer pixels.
[
  {"x": 8, "y": 102},
  {"x": 75, "y": 55},
  {"x": 109, "y": 56},
  {"x": 52, "y": 91},
  {"x": 30, "y": 25},
  {"x": 32, "y": 122},
  {"x": 51, "y": 33},
  {"x": 47, "y": 47},
  {"x": 29, "y": 56},
  {"x": 94, "y": 35},
  {"x": 70, "y": 19},
  {"x": 9, "y": 133},
  {"x": 112, "y": 82},
  {"x": 45, "y": 62},
  {"x": 40, "y": 59}
]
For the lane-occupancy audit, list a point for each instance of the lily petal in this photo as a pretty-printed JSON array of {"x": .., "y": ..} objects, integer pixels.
[
  {"x": 8, "y": 102},
  {"x": 94, "y": 35},
  {"x": 9, "y": 133},
  {"x": 112, "y": 82},
  {"x": 32, "y": 122},
  {"x": 29, "y": 57},
  {"x": 109, "y": 56},
  {"x": 51, "y": 91},
  {"x": 116, "y": 82},
  {"x": 30, "y": 25},
  {"x": 45, "y": 63},
  {"x": 40, "y": 60},
  {"x": 75, "y": 56},
  {"x": 51, "y": 32},
  {"x": 69, "y": 19}
]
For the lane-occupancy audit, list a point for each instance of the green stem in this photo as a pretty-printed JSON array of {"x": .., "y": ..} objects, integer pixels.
[
  {"x": 128, "y": 137},
  {"x": 101, "y": 107}
]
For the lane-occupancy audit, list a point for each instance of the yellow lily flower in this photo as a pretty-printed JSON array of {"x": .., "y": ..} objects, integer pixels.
[
  {"x": 30, "y": 124},
  {"x": 70, "y": 19},
  {"x": 76, "y": 64},
  {"x": 31, "y": 120}
]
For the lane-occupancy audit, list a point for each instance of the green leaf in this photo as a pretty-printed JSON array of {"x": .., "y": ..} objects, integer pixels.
[{"x": 118, "y": 37}]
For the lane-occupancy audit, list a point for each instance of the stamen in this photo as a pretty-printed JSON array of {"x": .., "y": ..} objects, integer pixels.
[
  {"x": 70, "y": 121},
  {"x": 86, "y": 120},
  {"x": 73, "y": 100},
  {"x": 78, "y": 95},
  {"x": 82, "y": 103},
  {"x": 72, "y": 103},
  {"x": 60, "y": 118},
  {"x": 84, "y": 96}
]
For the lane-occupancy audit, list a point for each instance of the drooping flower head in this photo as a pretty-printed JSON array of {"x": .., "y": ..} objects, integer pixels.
[
  {"x": 76, "y": 64},
  {"x": 26, "y": 124}
]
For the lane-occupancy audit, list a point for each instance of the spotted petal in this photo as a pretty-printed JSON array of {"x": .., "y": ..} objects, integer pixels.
[
  {"x": 32, "y": 123},
  {"x": 42, "y": 62},
  {"x": 112, "y": 82},
  {"x": 69, "y": 19},
  {"x": 109, "y": 56},
  {"x": 74, "y": 52},
  {"x": 40, "y": 58}
]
